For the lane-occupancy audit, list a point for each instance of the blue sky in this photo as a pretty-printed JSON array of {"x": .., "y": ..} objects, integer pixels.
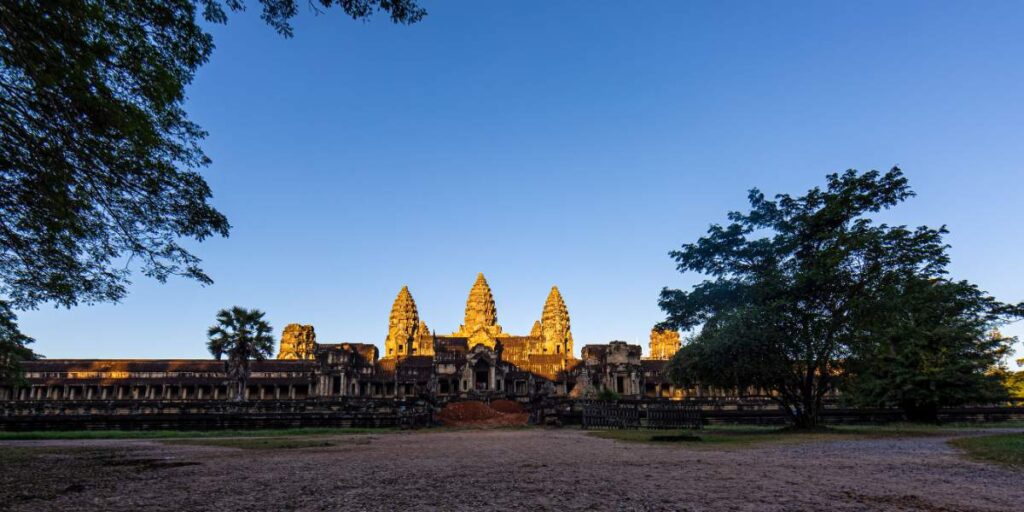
[{"x": 571, "y": 143}]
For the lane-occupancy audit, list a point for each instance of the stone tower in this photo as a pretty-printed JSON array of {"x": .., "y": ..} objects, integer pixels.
[
  {"x": 424, "y": 345},
  {"x": 554, "y": 325},
  {"x": 481, "y": 322},
  {"x": 480, "y": 309},
  {"x": 403, "y": 326},
  {"x": 297, "y": 342},
  {"x": 664, "y": 344}
]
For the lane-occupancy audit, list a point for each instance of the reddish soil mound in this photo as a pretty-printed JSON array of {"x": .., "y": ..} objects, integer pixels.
[
  {"x": 508, "y": 406},
  {"x": 478, "y": 414},
  {"x": 461, "y": 412}
]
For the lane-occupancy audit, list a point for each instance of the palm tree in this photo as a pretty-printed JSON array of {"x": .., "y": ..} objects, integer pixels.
[{"x": 243, "y": 335}]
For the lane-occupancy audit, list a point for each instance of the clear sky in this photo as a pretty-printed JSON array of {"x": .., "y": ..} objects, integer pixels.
[{"x": 566, "y": 142}]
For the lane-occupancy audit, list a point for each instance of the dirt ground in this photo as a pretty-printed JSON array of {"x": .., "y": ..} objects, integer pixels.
[{"x": 525, "y": 469}]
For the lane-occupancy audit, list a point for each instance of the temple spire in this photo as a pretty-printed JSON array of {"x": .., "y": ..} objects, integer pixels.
[
  {"x": 480, "y": 309},
  {"x": 403, "y": 325},
  {"x": 554, "y": 324}
]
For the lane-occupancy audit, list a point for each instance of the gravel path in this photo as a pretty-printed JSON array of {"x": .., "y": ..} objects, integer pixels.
[{"x": 531, "y": 469}]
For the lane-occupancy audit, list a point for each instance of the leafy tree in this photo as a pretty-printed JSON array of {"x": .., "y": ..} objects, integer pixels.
[
  {"x": 1013, "y": 382},
  {"x": 242, "y": 335},
  {"x": 98, "y": 159},
  {"x": 787, "y": 288},
  {"x": 929, "y": 343},
  {"x": 13, "y": 347}
]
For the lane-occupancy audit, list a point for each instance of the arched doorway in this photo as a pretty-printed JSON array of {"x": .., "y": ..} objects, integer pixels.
[{"x": 481, "y": 375}]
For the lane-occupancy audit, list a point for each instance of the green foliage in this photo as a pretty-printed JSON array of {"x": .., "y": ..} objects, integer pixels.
[
  {"x": 608, "y": 395},
  {"x": 97, "y": 157},
  {"x": 1012, "y": 381},
  {"x": 787, "y": 288},
  {"x": 1006, "y": 449},
  {"x": 13, "y": 347},
  {"x": 929, "y": 343},
  {"x": 98, "y": 160},
  {"x": 242, "y": 335},
  {"x": 278, "y": 13}
]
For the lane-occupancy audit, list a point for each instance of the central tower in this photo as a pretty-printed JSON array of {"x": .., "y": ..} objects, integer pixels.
[
  {"x": 554, "y": 325},
  {"x": 480, "y": 325}
]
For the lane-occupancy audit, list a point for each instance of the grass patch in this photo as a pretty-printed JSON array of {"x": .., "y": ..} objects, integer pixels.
[
  {"x": 184, "y": 434},
  {"x": 1005, "y": 449},
  {"x": 697, "y": 438},
  {"x": 731, "y": 436},
  {"x": 674, "y": 438},
  {"x": 989, "y": 424}
]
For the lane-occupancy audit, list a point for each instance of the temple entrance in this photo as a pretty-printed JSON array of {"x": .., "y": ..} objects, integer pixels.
[{"x": 482, "y": 376}]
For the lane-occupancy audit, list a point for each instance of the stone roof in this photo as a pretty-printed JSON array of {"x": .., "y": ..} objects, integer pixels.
[
  {"x": 451, "y": 344},
  {"x": 177, "y": 372},
  {"x": 159, "y": 365},
  {"x": 367, "y": 351}
]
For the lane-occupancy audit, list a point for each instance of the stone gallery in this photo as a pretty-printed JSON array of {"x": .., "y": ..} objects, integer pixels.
[{"x": 479, "y": 360}]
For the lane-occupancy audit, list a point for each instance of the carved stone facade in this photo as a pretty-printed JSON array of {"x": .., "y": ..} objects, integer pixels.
[
  {"x": 403, "y": 326},
  {"x": 664, "y": 344},
  {"x": 616, "y": 367},
  {"x": 554, "y": 325},
  {"x": 298, "y": 342},
  {"x": 480, "y": 326},
  {"x": 478, "y": 360}
]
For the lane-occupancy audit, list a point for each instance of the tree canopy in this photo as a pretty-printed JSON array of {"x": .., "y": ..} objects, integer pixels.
[
  {"x": 99, "y": 162},
  {"x": 791, "y": 286},
  {"x": 242, "y": 335},
  {"x": 930, "y": 343}
]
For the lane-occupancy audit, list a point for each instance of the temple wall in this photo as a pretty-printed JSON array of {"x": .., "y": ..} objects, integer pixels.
[{"x": 209, "y": 415}]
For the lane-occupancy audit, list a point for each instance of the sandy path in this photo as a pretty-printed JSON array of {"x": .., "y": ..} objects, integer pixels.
[{"x": 513, "y": 470}]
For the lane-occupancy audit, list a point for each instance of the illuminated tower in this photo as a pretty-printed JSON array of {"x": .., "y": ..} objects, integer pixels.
[
  {"x": 403, "y": 326},
  {"x": 481, "y": 321},
  {"x": 554, "y": 325},
  {"x": 664, "y": 344},
  {"x": 298, "y": 342}
]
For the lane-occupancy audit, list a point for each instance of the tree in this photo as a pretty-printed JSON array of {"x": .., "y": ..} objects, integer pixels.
[
  {"x": 927, "y": 344},
  {"x": 98, "y": 159},
  {"x": 242, "y": 335},
  {"x": 787, "y": 288},
  {"x": 1012, "y": 381},
  {"x": 13, "y": 347}
]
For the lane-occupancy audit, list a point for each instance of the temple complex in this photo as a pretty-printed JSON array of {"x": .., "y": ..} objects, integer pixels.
[{"x": 477, "y": 360}]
